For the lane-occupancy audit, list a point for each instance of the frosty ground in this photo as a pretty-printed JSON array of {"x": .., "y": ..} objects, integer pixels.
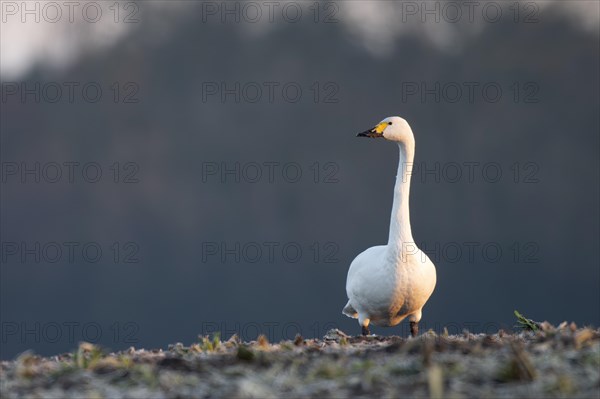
[{"x": 545, "y": 361}]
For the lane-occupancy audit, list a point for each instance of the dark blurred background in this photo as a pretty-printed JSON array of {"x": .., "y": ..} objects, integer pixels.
[{"x": 504, "y": 198}]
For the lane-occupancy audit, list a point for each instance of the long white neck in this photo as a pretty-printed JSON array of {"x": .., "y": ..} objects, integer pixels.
[{"x": 400, "y": 232}]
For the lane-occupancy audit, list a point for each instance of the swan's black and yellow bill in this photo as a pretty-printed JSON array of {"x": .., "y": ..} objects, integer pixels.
[{"x": 375, "y": 132}]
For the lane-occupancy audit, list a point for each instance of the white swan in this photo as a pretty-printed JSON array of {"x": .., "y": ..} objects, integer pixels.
[{"x": 387, "y": 283}]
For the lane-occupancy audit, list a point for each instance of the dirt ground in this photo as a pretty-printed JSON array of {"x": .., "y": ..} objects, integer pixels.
[{"x": 561, "y": 361}]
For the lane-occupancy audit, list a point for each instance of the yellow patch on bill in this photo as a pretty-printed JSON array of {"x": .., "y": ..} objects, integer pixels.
[{"x": 380, "y": 128}]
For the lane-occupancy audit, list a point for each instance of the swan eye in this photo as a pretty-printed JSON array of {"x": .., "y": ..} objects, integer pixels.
[{"x": 389, "y": 123}]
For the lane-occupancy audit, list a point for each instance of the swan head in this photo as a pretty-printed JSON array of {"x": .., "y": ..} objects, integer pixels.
[{"x": 392, "y": 128}]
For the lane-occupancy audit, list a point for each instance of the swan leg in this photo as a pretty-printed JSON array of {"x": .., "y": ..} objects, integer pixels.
[
  {"x": 414, "y": 328},
  {"x": 364, "y": 323},
  {"x": 414, "y": 323}
]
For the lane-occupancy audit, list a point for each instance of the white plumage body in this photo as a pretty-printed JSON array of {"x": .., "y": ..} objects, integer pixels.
[{"x": 385, "y": 291}]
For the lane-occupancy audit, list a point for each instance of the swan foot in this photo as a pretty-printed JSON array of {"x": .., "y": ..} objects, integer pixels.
[
  {"x": 365, "y": 331},
  {"x": 414, "y": 328}
]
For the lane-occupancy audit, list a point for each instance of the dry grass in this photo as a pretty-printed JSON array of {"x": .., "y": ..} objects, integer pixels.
[{"x": 561, "y": 361}]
